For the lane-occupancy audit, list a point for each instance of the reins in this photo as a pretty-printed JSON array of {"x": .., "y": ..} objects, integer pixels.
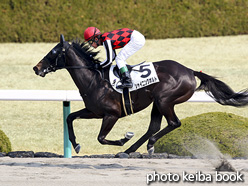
[
  {"x": 56, "y": 67},
  {"x": 77, "y": 67}
]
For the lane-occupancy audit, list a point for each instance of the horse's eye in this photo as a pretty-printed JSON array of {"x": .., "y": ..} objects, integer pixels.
[{"x": 54, "y": 52}]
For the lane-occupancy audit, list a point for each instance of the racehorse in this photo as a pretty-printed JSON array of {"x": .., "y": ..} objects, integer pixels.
[{"x": 177, "y": 84}]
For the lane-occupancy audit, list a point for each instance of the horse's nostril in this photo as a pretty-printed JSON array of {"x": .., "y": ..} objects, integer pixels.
[{"x": 36, "y": 70}]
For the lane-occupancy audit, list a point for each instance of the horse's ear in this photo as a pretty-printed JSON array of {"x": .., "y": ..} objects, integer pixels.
[{"x": 62, "y": 39}]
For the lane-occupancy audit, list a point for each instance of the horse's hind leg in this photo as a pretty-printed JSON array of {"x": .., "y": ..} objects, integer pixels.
[
  {"x": 173, "y": 123},
  {"x": 84, "y": 113},
  {"x": 154, "y": 127}
]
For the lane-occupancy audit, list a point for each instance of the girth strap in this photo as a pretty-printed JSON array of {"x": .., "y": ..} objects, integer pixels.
[{"x": 127, "y": 102}]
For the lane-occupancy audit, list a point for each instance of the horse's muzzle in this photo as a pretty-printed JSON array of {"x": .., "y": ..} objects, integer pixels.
[
  {"x": 36, "y": 70},
  {"x": 39, "y": 72}
]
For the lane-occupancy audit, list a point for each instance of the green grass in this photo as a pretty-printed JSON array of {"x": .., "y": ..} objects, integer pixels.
[
  {"x": 5, "y": 145},
  {"x": 37, "y": 126},
  {"x": 228, "y": 131}
]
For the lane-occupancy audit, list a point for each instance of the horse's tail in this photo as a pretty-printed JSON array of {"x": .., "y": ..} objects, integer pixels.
[{"x": 221, "y": 92}]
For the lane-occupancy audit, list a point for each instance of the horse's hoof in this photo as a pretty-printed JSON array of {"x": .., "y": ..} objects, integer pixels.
[
  {"x": 129, "y": 135},
  {"x": 77, "y": 148},
  {"x": 151, "y": 150}
]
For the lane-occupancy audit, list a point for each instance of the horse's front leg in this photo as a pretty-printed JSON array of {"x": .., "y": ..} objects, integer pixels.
[
  {"x": 84, "y": 114},
  {"x": 107, "y": 124}
]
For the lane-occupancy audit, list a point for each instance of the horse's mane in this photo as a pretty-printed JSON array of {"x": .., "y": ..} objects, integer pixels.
[{"x": 86, "y": 52}]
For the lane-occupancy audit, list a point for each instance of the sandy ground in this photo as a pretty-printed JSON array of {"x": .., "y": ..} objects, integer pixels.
[{"x": 114, "y": 172}]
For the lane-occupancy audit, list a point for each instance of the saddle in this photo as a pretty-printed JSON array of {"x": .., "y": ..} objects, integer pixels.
[{"x": 142, "y": 75}]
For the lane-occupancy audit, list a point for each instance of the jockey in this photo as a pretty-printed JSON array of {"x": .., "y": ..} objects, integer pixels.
[{"x": 129, "y": 40}]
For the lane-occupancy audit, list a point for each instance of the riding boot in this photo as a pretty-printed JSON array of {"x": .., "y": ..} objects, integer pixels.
[{"x": 125, "y": 80}]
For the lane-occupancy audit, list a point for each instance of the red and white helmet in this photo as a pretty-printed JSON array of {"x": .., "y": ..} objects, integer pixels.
[{"x": 91, "y": 32}]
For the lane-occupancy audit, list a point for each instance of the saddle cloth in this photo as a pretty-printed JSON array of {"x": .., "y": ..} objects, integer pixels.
[{"x": 142, "y": 75}]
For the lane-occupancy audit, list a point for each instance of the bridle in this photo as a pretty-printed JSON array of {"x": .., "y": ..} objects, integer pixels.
[{"x": 60, "y": 63}]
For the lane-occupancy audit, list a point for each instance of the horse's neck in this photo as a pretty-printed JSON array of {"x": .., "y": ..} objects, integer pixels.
[{"x": 82, "y": 77}]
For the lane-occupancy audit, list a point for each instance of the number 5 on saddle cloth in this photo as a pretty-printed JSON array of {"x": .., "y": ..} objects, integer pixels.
[{"x": 142, "y": 75}]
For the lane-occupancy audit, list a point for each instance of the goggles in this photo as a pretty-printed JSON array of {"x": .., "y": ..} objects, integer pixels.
[{"x": 91, "y": 41}]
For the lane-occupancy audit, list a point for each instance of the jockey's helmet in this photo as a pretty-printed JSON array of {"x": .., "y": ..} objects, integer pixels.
[{"x": 90, "y": 33}]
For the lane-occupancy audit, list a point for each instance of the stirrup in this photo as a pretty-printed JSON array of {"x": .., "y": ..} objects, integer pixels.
[{"x": 122, "y": 86}]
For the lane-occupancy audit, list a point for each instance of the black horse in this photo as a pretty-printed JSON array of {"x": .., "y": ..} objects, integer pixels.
[{"x": 177, "y": 84}]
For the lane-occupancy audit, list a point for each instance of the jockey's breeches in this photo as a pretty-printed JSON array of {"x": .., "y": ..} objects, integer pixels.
[{"x": 136, "y": 42}]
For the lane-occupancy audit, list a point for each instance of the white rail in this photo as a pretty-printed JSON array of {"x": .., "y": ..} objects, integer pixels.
[
  {"x": 40, "y": 95},
  {"x": 68, "y": 95}
]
